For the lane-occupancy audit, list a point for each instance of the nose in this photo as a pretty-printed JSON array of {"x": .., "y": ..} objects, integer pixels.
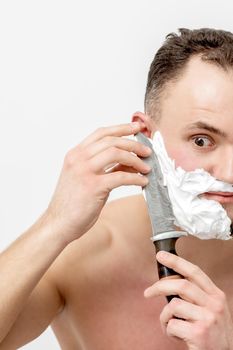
[{"x": 224, "y": 169}]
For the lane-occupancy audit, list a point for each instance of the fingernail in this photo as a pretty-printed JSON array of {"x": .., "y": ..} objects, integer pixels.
[
  {"x": 147, "y": 293},
  {"x": 162, "y": 254},
  {"x": 145, "y": 180},
  {"x": 147, "y": 167},
  {"x": 135, "y": 125},
  {"x": 147, "y": 150}
]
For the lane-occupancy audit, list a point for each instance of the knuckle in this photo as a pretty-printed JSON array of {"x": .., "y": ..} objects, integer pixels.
[
  {"x": 200, "y": 330},
  {"x": 195, "y": 270},
  {"x": 184, "y": 284},
  {"x": 219, "y": 303},
  {"x": 85, "y": 153},
  {"x": 210, "y": 319},
  {"x": 75, "y": 156},
  {"x": 134, "y": 146},
  {"x": 170, "y": 326},
  {"x": 114, "y": 151},
  {"x": 222, "y": 296},
  {"x": 175, "y": 302},
  {"x": 69, "y": 159},
  {"x": 109, "y": 139},
  {"x": 100, "y": 130},
  {"x": 219, "y": 308}
]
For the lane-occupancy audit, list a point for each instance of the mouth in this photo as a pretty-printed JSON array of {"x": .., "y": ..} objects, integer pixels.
[{"x": 221, "y": 197}]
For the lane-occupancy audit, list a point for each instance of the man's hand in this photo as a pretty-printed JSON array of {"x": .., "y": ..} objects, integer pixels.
[
  {"x": 203, "y": 317},
  {"x": 103, "y": 161}
]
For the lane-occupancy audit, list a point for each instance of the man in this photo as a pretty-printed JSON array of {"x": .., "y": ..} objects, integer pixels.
[{"x": 83, "y": 267}]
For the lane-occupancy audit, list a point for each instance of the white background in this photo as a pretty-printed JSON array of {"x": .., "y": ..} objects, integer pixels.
[{"x": 66, "y": 68}]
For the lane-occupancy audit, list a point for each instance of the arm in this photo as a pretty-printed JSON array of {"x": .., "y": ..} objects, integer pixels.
[
  {"x": 103, "y": 161},
  {"x": 21, "y": 267},
  {"x": 40, "y": 308}
]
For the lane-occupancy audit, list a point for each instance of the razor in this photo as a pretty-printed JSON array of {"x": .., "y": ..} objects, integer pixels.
[{"x": 164, "y": 231}]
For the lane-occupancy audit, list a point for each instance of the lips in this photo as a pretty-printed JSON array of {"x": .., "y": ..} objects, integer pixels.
[
  {"x": 224, "y": 194},
  {"x": 221, "y": 197}
]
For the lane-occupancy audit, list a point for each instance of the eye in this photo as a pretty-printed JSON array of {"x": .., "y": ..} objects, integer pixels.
[{"x": 202, "y": 141}]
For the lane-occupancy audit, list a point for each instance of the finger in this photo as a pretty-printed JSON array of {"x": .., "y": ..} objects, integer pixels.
[
  {"x": 117, "y": 179},
  {"x": 180, "y": 329},
  {"x": 113, "y": 155},
  {"x": 179, "y": 286},
  {"x": 118, "y": 142},
  {"x": 121, "y": 167},
  {"x": 181, "y": 309},
  {"x": 188, "y": 270},
  {"x": 116, "y": 130}
]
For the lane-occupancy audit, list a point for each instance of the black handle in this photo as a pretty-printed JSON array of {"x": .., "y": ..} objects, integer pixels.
[{"x": 168, "y": 245}]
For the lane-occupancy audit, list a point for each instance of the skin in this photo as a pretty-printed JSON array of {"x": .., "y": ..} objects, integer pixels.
[{"x": 89, "y": 268}]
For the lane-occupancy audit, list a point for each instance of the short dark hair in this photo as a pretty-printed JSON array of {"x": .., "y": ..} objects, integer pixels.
[{"x": 214, "y": 46}]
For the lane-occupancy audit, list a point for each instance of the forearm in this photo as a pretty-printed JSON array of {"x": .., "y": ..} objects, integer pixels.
[
  {"x": 103, "y": 161},
  {"x": 21, "y": 267}
]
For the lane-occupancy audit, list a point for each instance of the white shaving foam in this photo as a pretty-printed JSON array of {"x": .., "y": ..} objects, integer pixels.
[{"x": 198, "y": 216}]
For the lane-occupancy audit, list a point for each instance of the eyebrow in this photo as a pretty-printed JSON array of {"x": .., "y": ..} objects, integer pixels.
[{"x": 205, "y": 126}]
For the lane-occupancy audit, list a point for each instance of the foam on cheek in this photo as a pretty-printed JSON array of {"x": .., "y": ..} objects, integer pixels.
[{"x": 198, "y": 216}]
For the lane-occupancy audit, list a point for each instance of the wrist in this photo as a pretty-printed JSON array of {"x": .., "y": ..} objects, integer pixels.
[{"x": 52, "y": 228}]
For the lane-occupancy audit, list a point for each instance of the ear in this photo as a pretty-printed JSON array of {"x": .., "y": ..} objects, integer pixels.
[{"x": 148, "y": 124}]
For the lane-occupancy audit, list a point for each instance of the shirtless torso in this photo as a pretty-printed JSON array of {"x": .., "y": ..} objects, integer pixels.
[{"x": 101, "y": 278}]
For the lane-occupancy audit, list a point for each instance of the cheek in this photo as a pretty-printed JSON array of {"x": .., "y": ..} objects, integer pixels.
[{"x": 184, "y": 160}]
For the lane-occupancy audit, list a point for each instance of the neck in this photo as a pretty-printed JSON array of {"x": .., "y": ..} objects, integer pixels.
[{"x": 212, "y": 256}]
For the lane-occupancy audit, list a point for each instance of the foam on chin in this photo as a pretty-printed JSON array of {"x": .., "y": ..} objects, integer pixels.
[{"x": 200, "y": 217}]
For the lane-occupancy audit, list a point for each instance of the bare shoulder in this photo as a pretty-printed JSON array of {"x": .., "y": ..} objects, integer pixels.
[{"x": 126, "y": 213}]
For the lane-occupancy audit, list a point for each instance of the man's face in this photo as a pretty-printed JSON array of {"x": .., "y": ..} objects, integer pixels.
[{"x": 197, "y": 123}]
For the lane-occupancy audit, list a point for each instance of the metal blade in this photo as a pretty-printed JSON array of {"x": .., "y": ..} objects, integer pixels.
[{"x": 157, "y": 198}]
